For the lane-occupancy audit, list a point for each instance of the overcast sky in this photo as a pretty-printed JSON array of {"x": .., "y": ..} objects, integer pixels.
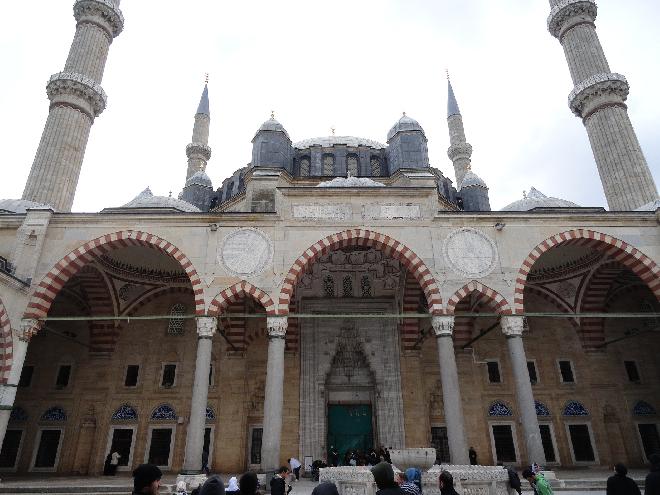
[{"x": 355, "y": 65}]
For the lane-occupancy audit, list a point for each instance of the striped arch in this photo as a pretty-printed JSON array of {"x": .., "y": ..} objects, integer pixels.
[
  {"x": 616, "y": 249},
  {"x": 235, "y": 292},
  {"x": 495, "y": 300},
  {"x": 562, "y": 306},
  {"x": 67, "y": 267},
  {"x": 361, "y": 237},
  {"x": 103, "y": 334},
  {"x": 6, "y": 344}
]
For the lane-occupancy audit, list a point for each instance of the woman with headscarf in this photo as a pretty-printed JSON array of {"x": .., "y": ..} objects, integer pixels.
[
  {"x": 325, "y": 488},
  {"x": 446, "y": 484},
  {"x": 249, "y": 483},
  {"x": 232, "y": 486},
  {"x": 414, "y": 475},
  {"x": 213, "y": 486}
]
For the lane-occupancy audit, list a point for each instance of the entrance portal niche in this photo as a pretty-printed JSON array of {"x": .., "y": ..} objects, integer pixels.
[{"x": 349, "y": 366}]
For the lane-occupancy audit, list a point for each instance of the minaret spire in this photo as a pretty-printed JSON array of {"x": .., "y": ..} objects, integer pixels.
[
  {"x": 76, "y": 99},
  {"x": 598, "y": 99},
  {"x": 198, "y": 150},
  {"x": 459, "y": 151}
]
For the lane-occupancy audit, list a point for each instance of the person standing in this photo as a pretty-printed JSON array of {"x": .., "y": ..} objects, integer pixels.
[
  {"x": 278, "y": 482},
  {"x": 146, "y": 480},
  {"x": 249, "y": 483},
  {"x": 620, "y": 484},
  {"x": 472, "y": 454},
  {"x": 232, "y": 487},
  {"x": 384, "y": 477},
  {"x": 213, "y": 486},
  {"x": 295, "y": 467},
  {"x": 114, "y": 462},
  {"x": 408, "y": 487},
  {"x": 205, "y": 462},
  {"x": 652, "y": 484},
  {"x": 538, "y": 482},
  {"x": 446, "y": 484},
  {"x": 334, "y": 456}
]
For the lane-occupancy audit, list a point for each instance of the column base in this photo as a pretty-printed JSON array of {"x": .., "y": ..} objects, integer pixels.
[{"x": 192, "y": 480}]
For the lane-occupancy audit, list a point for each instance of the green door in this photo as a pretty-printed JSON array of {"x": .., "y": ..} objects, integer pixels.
[{"x": 349, "y": 427}]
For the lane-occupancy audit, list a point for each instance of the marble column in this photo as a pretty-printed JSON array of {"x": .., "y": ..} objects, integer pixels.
[
  {"x": 20, "y": 338},
  {"x": 443, "y": 327},
  {"x": 192, "y": 463},
  {"x": 273, "y": 401},
  {"x": 512, "y": 327}
]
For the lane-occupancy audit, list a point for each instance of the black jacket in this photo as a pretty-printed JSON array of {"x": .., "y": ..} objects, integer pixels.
[
  {"x": 277, "y": 486},
  {"x": 652, "y": 485},
  {"x": 622, "y": 485},
  {"x": 393, "y": 490}
]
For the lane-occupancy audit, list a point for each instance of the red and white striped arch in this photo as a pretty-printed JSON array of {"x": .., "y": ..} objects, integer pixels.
[
  {"x": 361, "y": 237},
  {"x": 6, "y": 344},
  {"x": 615, "y": 249},
  {"x": 235, "y": 292},
  {"x": 67, "y": 267},
  {"x": 493, "y": 298}
]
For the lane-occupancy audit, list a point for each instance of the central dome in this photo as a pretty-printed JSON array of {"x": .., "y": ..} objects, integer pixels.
[{"x": 326, "y": 142}]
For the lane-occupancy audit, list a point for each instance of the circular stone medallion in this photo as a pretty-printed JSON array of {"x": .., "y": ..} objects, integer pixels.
[
  {"x": 470, "y": 252},
  {"x": 246, "y": 252}
]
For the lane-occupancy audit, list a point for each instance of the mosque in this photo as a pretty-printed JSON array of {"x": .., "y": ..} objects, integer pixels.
[{"x": 335, "y": 291}]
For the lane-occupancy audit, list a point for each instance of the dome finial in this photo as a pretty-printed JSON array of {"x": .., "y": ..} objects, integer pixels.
[
  {"x": 332, "y": 129},
  {"x": 272, "y": 114},
  {"x": 524, "y": 194},
  {"x": 404, "y": 114},
  {"x": 206, "y": 78}
]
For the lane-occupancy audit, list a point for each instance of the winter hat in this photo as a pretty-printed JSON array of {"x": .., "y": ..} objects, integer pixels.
[
  {"x": 144, "y": 475},
  {"x": 248, "y": 483},
  {"x": 213, "y": 486},
  {"x": 384, "y": 475}
]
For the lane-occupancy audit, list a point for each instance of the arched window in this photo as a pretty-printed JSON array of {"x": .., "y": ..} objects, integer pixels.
[
  {"x": 304, "y": 166},
  {"x": 365, "y": 286},
  {"x": 210, "y": 414},
  {"x": 574, "y": 408},
  {"x": 541, "y": 408},
  {"x": 175, "y": 325},
  {"x": 54, "y": 414},
  {"x": 347, "y": 286},
  {"x": 328, "y": 165},
  {"x": 125, "y": 413},
  {"x": 164, "y": 412},
  {"x": 352, "y": 165},
  {"x": 642, "y": 408},
  {"x": 18, "y": 414},
  {"x": 499, "y": 408},
  {"x": 376, "y": 170}
]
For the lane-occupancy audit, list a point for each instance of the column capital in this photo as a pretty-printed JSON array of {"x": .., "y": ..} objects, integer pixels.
[
  {"x": 443, "y": 326},
  {"x": 512, "y": 326},
  {"x": 29, "y": 327},
  {"x": 206, "y": 326},
  {"x": 276, "y": 326}
]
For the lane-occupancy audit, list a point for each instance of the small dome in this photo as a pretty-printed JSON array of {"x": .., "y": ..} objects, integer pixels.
[
  {"x": 536, "y": 199},
  {"x": 20, "y": 205},
  {"x": 146, "y": 199},
  {"x": 199, "y": 178},
  {"x": 274, "y": 126},
  {"x": 472, "y": 180},
  {"x": 328, "y": 141},
  {"x": 404, "y": 124},
  {"x": 351, "y": 181},
  {"x": 651, "y": 206}
]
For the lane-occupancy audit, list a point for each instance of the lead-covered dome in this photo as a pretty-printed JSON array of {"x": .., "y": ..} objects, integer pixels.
[
  {"x": 404, "y": 124},
  {"x": 20, "y": 205},
  {"x": 470, "y": 179},
  {"x": 272, "y": 125},
  {"x": 536, "y": 199},
  {"x": 328, "y": 141},
  {"x": 146, "y": 199},
  {"x": 199, "y": 178}
]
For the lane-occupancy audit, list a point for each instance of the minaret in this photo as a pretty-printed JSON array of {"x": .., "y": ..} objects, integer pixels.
[
  {"x": 76, "y": 98},
  {"x": 598, "y": 98},
  {"x": 198, "y": 150},
  {"x": 459, "y": 151}
]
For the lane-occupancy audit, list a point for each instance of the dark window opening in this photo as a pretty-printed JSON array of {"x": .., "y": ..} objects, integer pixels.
[
  {"x": 10, "y": 446},
  {"x": 255, "y": 447},
  {"x": 49, "y": 444},
  {"x": 632, "y": 371},
  {"x": 494, "y": 372},
  {"x": 650, "y": 439},
  {"x": 26, "y": 376},
  {"x": 169, "y": 375},
  {"x": 566, "y": 371},
  {"x": 581, "y": 441},
  {"x": 132, "y": 373},
  {"x": 440, "y": 442},
  {"x": 159, "y": 450},
  {"x": 548, "y": 446},
  {"x": 122, "y": 440},
  {"x": 531, "y": 368},
  {"x": 63, "y": 375},
  {"x": 210, "y": 375},
  {"x": 505, "y": 449}
]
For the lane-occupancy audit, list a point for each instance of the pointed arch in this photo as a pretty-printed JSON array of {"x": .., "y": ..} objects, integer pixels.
[
  {"x": 6, "y": 345},
  {"x": 236, "y": 291},
  {"x": 497, "y": 302},
  {"x": 616, "y": 249},
  {"x": 361, "y": 237},
  {"x": 72, "y": 263}
]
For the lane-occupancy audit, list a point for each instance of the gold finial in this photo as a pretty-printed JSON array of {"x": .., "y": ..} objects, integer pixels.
[
  {"x": 206, "y": 78},
  {"x": 332, "y": 129},
  {"x": 272, "y": 114}
]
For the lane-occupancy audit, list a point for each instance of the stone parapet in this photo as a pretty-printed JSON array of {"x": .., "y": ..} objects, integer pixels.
[
  {"x": 198, "y": 150},
  {"x": 461, "y": 150},
  {"x": 102, "y": 13},
  {"x": 570, "y": 13},
  {"x": 469, "y": 480},
  {"x": 596, "y": 92},
  {"x": 77, "y": 91}
]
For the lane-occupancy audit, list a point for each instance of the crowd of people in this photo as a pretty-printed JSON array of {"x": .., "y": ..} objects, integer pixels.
[
  {"x": 357, "y": 457},
  {"x": 147, "y": 479}
]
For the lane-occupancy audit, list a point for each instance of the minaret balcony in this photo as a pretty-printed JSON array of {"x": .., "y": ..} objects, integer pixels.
[{"x": 570, "y": 13}]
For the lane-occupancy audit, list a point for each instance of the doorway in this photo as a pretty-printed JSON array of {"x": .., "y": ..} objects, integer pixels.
[
  {"x": 440, "y": 442},
  {"x": 549, "y": 444},
  {"x": 11, "y": 449},
  {"x": 254, "y": 442},
  {"x": 581, "y": 443},
  {"x": 504, "y": 445},
  {"x": 350, "y": 427},
  {"x": 47, "y": 453},
  {"x": 648, "y": 434},
  {"x": 160, "y": 446},
  {"x": 121, "y": 441}
]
